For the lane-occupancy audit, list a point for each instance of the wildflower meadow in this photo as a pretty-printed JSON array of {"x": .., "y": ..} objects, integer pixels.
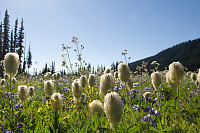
[{"x": 110, "y": 100}]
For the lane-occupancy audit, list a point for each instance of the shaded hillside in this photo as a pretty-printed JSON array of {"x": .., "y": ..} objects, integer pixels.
[{"x": 188, "y": 53}]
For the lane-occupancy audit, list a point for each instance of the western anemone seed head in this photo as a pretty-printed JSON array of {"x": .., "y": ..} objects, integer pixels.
[
  {"x": 168, "y": 80},
  {"x": 124, "y": 72},
  {"x": 96, "y": 106},
  {"x": 31, "y": 91},
  {"x": 57, "y": 105},
  {"x": 49, "y": 87},
  {"x": 14, "y": 81},
  {"x": 176, "y": 71},
  {"x": 6, "y": 76},
  {"x": 130, "y": 83},
  {"x": 83, "y": 98},
  {"x": 3, "y": 81},
  {"x": 193, "y": 77},
  {"x": 107, "y": 70},
  {"x": 11, "y": 63},
  {"x": 156, "y": 80},
  {"x": 22, "y": 92},
  {"x": 58, "y": 75},
  {"x": 77, "y": 88},
  {"x": 107, "y": 82},
  {"x": 116, "y": 74},
  {"x": 83, "y": 80},
  {"x": 146, "y": 95},
  {"x": 91, "y": 80},
  {"x": 113, "y": 108}
]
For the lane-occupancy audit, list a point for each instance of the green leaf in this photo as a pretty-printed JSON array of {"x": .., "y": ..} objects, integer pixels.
[
  {"x": 134, "y": 129},
  {"x": 153, "y": 129},
  {"x": 167, "y": 129},
  {"x": 73, "y": 128}
]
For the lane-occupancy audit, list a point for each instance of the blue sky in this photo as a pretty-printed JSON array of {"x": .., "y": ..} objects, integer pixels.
[{"x": 104, "y": 27}]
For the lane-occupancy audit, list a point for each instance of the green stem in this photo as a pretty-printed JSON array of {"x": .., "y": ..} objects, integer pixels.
[{"x": 178, "y": 107}]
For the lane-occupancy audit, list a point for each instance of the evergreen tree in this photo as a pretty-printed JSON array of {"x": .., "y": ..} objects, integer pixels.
[
  {"x": 11, "y": 42},
  {"x": 20, "y": 46},
  {"x": 29, "y": 58},
  {"x": 6, "y": 27},
  {"x": 53, "y": 67},
  {"x": 15, "y": 34},
  {"x": 1, "y": 43}
]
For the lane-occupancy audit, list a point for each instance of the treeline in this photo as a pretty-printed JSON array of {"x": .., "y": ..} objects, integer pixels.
[
  {"x": 12, "y": 40},
  {"x": 188, "y": 53}
]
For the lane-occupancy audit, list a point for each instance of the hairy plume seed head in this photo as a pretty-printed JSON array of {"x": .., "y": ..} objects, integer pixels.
[
  {"x": 156, "y": 79},
  {"x": 77, "y": 88},
  {"x": 6, "y": 76},
  {"x": 91, "y": 80},
  {"x": 193, "y": 77},
  {"x": 113, "y": 108},
  {"x": 31, "y": 90},
  {"x": 57, "y": 105},
  {"x": 3, "y": 81},
  {"x": 107, "y": 70},
  {"x": 49, "y": 87},
  {"x": 176, "y": 71},
  {"x": 124, "y": 72},
  {"x": 58, "y": 75},
  {"x": 116, "y": 74},
  {"x": 11, "y": 63},
  {"x": 96, "y": 106},
  {"x": 168, "y": 80},
  {"x": 22, "y": 92},
  {"x": 14, "y": 81},
  {"x": 107, "y": 82},
  {"x": 83, "y": 80},
  {"x": 130, "y": 83},
  {"x": 146, "y": 95}
]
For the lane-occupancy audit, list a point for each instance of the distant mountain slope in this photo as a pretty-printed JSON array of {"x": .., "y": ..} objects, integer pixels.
[{"x": 188, "y": 53}]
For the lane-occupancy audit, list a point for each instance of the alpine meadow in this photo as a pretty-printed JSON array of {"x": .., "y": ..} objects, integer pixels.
[{"x": 155, "y": 94}]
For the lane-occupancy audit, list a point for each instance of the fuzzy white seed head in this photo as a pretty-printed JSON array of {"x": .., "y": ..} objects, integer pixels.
[
  {"x": 168, "y": 80},
  {"x": 107, "y": 82},
  {"x": 49, "y": 87},
  {"x": 91, "y": 80},
  {"x": 113, "y": 108},
  {"x": 83, "y": 80},
  {"x": 116, "y": 74},
  {"x": 124, "y": 72},
  {"x": 6, "y": 76},
  {"x": 11, "y": 63},
  {"x": 31, "y": 90},
  {"x": 58, "y": 75},
  {"x": 193, "y": 77},
  {"x": 130, "y": 83},
  {"x": 176, "y": 71},
  {"x": 22, "y": 92},
  {"x": 96, "y": 106},
  {"x": 146, "y": 95},
  {"x": 83, "y": 98},
  {"x": 77, "y": 88},
  {"x": 3, "y": 81},
  {"x": 156, "y": 80},
  {"x": 57, "y": 105},
  {"x": 14, "y": 81},
  {"x": 107, "y": 70}
]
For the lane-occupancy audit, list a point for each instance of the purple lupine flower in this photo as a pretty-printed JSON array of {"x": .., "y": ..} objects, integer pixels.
[
  {"x": 19, "y": 125},
  {"x": 146, "y": 110}
]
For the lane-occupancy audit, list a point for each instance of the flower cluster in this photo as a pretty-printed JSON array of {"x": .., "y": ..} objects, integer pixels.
[
  {"x": 136, "y": 108},
  {"x": 18, "y": 106}
]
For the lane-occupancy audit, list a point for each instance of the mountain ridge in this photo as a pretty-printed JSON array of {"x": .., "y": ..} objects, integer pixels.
[{"x": 188, "y": 53}]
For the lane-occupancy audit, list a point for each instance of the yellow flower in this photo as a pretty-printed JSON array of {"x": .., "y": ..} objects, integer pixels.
[
  {"x": 66, "y": 117},
  {"x": 72, "y": 106},
  {"x": 39, "y": 110},
  {"x": 53, "y": 100},
  {"x": 48, "y": 103},
  {"x": 1, "y": 91}
]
